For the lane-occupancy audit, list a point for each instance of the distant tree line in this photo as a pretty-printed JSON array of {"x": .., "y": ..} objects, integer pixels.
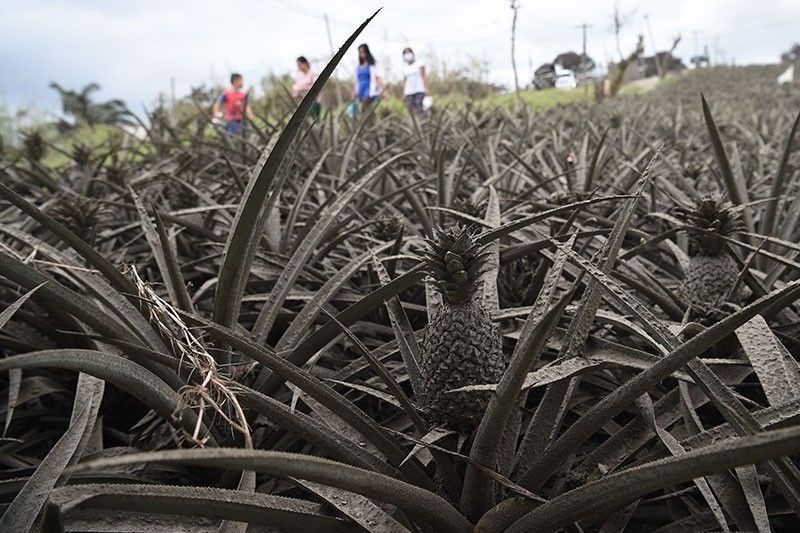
[
  {"x": 81, "y": 108},
  {"x": 792, "y": 54}
]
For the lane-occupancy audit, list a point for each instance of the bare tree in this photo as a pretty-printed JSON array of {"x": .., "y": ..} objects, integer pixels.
[
  {"x": 622, "y": 66},
  {"x": 514, "y": 8},
  {"x": 792, "y": 54},
  {"x": 675, "y": 42},
  {"x": 671, "y": 52},
  {"x": 618, "y": 22}
]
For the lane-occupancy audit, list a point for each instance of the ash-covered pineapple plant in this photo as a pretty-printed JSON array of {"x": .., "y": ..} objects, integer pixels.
[
  {"x": 386, "y": 228},
  {"x": 34, "y": 146},
  {"x": 710, "y": 283},
  {"x": 467, "y": 205},
  {"x": 82, "y": 215},
  {"x": 516, "y": 282},
  {"x": 461, "y": 346}
]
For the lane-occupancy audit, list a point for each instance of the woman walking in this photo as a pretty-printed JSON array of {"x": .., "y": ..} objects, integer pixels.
[
  {"x": 303, "y": 81},
  {"x": 369, "y": 79},
  {"x": 416, "y": 82}
]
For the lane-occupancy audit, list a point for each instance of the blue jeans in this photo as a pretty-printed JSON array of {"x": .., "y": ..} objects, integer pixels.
[
  {"x": 414, "y": 103},
  {"x": 234, "y": 127}
]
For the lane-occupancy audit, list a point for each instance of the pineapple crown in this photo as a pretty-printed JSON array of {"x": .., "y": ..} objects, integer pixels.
[
  {"x": 34, "y": 146},
  {"x": 455, "y": 261},
  {"x": 466, "y": 205},
  {"x": 566, "y": 197},
  {"x": 82, "y": 215},
  {"x": 708, "y": 221},
  {"x": 82, "y": 155},
  {"x": 386, "y": 228}
]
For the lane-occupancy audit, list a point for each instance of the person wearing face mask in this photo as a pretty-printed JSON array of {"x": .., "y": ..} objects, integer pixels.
[{"x": 416, "y": 82}]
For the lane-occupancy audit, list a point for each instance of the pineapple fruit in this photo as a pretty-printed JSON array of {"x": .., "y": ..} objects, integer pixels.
[
  {"x": 712, "y": 272},
  {"x": 461, "y": 346}
]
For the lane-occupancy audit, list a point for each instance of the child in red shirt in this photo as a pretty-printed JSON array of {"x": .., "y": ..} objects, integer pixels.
[{"x": 235, "y": 102}]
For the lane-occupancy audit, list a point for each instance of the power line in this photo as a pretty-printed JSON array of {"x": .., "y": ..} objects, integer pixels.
[
  {"x": 460, "y": 30},
  {"x": 765, "y": 27},
  {"x": 403, "y": 40},
  {"x": 305, "y": 12},
  {"x": 471, "y": 42}
]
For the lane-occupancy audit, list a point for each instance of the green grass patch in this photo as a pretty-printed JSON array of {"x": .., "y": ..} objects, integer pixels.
[
  {"x": 538, "y": 100},
  {"x": 93, "y": 136}
]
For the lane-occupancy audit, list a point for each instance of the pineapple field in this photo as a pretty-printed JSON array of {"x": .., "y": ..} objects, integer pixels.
[{"x": 585, "y": 318}]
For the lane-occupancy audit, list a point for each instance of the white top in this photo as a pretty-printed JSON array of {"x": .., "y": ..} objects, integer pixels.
[
  {"x": 413, "y": 74},
  {"x": 303, "y": 81}
]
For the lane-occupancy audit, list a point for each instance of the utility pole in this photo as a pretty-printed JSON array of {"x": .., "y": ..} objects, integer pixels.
[
  {"x": 515, "y": 8},
  {"x": 583, "y": 65},
  {"x": 328, "y": 30},
  {"x": 530, "y": 69},
  {"x": 583, "y": 27},
  {"x": 172, "y": 89},
  {"x": 333, "y": 51}
]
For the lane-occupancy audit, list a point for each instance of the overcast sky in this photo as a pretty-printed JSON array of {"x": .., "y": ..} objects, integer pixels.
[{"x": 133, "y": 48}]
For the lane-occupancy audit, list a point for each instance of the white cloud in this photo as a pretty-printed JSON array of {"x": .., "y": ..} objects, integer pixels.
[{"x": 133, "y": 48}]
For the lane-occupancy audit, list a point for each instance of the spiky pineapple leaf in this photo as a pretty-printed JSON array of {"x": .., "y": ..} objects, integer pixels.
[
  {"x": 645, "y": 404},
  {"x": 92, "y": 256},
  {"x": 113, "y": 300},
  {"x": 476, "y": 496},
  {"x": 770, "y": 216},
  {"x": 417, "y": 502},
  {"x": 29, "y": 501},
  {"x": 305, "y": 318},
  {"x": 384, "y": 375},
  {"x": 317, "y": 340},
  {"x": 174, "y": 277},
  {"x": 123, "y": 373},
  {"x": 491, "y": 300},
  {"x": 291, "y": 220},
  {"x": 196, "y": 502},
  {"x": 357, "y": 508},
  {"x": 153, "y": 238},
  {"x": 777, "y": 371},
  {"x": 280, "y": 290},
  {"x": 14, "y": 374},
  {"x": 619, "y": 489},
  {"x": 314, "y": 387},
  {"x": 731, "y": 183},
  {"x": 403, "y": 332},
  {"x": 52, "y": 293},
  {"x": 622, "y": 396},
  {"x": 310, "y": 430}
]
